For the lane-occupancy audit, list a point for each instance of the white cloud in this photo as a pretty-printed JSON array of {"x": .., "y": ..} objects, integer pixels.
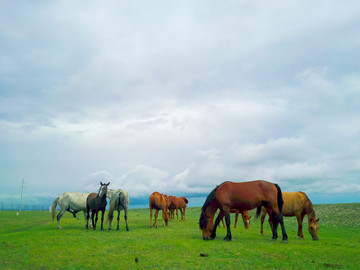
[{"x": 198, "y": 92}]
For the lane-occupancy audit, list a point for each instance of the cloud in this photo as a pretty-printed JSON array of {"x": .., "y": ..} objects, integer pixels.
[{"x": 179, "y": 98}]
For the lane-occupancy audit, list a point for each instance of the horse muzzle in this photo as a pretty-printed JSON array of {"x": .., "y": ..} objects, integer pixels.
[{"x": 315, "y": 238}]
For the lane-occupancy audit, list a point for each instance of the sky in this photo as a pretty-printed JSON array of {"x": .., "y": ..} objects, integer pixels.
[{"x": 179, "y": 96}]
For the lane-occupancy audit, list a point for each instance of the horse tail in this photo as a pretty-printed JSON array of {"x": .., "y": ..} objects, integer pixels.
[
  {"x": 280, "y": 198},
  {"x": 111, "y": 209},
  {"x": 53, "y": 207}
]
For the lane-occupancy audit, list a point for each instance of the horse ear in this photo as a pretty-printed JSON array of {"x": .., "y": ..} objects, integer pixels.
[
  {"x": 108, "y": 184},
  {"x": 101, "y": 183}
]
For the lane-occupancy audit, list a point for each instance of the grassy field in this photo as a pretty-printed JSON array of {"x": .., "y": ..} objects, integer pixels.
[{"x": 32, "y": 241}]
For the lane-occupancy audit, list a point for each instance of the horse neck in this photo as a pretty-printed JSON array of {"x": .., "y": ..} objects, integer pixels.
[
  {"x": 310, "y": 212},
  {"x": 211, "y": 209}
]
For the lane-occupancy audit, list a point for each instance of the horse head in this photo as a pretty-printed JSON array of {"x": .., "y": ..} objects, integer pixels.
[
  {"x": 103, "y": 189},
  {"x": 206, "y": 225},
  {"x": 246, "y": 219},
  {"x": 314, "y": 228}
]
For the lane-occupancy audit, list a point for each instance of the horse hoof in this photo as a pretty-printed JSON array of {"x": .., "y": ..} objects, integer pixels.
[
  {"x": 227, "y": 238},
  {"x": 285, "y": 241}
]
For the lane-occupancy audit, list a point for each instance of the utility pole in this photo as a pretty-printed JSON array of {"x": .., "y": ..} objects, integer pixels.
[{"x": 22, "y": 189}]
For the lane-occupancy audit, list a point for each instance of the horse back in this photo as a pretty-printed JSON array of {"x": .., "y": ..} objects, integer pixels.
[
  {"x": 294, "y": 203},
  {"x": 73, "y": 200},
  {"x": 157, "y": 201},
  {"x": 246, "y": 195}
]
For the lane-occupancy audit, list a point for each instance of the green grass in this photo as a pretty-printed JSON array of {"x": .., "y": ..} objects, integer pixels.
[{"x": 32, "y": 241}]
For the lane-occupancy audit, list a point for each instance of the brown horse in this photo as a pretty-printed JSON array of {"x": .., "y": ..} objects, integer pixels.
[
  {"x": 242, "y": 196},
  {"x": 297, "y": 204},
  {"x": 158, "y": 202},
  {"x": 175, "y": 203},
  {"x": 171, "y": 207},
  {"x": 245, "y": 216},
  {"x": 96, "y": 202}
]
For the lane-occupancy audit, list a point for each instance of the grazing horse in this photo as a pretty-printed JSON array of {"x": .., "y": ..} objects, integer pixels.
[
  {"x": 175, "y": 204},
  {"x": 119, "y": 200},
  {"x": 242, "y": 196},
  {"x": 297, "y": 204},
  {"x": 245, "y": 216},
  {"x": 158, "y": 202},
  {"x": 96, "y": 202},
  {"x": 171, "y": 207},
  {"x": 69, "y": 201}
]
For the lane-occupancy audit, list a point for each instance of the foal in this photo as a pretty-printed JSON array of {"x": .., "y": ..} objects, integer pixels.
[{"x": 95, "y": 203}]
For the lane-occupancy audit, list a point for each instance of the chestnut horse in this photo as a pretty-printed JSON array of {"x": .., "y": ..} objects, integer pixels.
[
  {"x": 297, "y": 204},
  {"x": 96, "y": 202},
  {"x": 245, "y": 216},
  {"x": 158, "y": 202},
  {"x": 175, "y": 203},
  {"x": 242, "y": 196}
]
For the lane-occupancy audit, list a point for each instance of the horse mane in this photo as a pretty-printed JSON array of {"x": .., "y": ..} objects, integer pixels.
[
  {"x": 308, "y": 204},
  {"x": 203, "y": 220},
  {"x": 209, "y": 199}
]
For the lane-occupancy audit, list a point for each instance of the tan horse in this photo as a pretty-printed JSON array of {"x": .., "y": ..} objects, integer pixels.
[
  {"x": 297, "y": 204},
  {"x": 176, "y": 203},
  {"x": 158, "y": 202},
  {"x": 245, "y": 216}
]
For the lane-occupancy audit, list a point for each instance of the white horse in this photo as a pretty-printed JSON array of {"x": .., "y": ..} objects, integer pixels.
[
  {"x": 119, "y": 200},
  {"x": 69, "y": 201}
]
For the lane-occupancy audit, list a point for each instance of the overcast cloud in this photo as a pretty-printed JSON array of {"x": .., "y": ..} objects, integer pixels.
[{"x": 178, "y": 97}]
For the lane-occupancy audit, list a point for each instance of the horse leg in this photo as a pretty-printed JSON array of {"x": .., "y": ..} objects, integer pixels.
[
  {"x": 223, "y": 223},
  {"x": 62, "y": 211},
  {"x": 263, "y": 214},
  {"x": 227, "y": 220},
  {"x": 125, "y": 217},
  {"x": 102, "y": 219},
  {"x": 300, "y": 218},
  {"x": 118, "y": 220},
  {"x": 184, "y": 212},
  {"x": 96, "y": 219},
  {"x": 177, "y": 216},
  {"x": 164, "y": 217},
  {"x": 277, "y": 218},
  {"x": 110, "y": 221},
  {"x": 86, "y": 217},
  {"x": 156, "y": 215},
  {"x": 236, "y": 219},
  {"x": 217, "y": 221},
  {"x": 281, "y": 220},
  {"x": 72, "y": 212},
  {"x": 274, "y": 226},
  {"x": 151, "y": 215}
]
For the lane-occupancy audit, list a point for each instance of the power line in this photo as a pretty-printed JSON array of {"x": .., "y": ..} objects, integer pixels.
[{"x": 22, "y": 189}]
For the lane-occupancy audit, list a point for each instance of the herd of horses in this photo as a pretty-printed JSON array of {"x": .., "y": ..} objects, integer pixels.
[
  {"x": 91, "y": 204},
  {"x": 168, "y": 205},
  {"x": 228, "y": 197}
]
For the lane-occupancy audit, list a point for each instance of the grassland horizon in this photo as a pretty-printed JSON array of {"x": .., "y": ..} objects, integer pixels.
[{"x": 32, "y": 241}]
